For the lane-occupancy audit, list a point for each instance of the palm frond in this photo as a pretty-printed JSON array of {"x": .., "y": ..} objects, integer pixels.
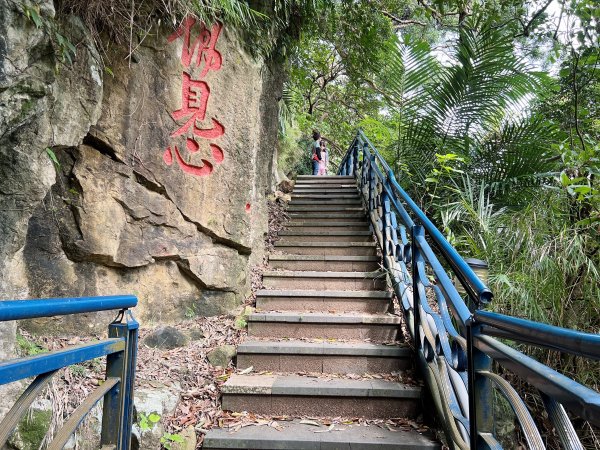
[{"x": 515, "y": 158}]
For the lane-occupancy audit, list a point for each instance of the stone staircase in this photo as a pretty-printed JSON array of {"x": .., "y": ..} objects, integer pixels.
[{"x": 324, "y": 310}]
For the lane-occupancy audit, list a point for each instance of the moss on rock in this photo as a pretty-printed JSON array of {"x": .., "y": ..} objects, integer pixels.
[{"x": 31, "y": 431}]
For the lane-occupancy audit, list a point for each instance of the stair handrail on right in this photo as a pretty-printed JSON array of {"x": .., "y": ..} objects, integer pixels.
[{"x": 455, "y": 343}]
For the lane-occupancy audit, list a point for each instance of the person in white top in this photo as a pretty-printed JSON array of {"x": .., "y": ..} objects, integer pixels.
[
  {"x": 324, "y": 162},
  {"x": 315, "y": 157}
]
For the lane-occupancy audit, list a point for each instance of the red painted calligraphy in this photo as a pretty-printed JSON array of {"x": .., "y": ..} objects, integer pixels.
[
  {"x": 195, "y": 93},
  {"x": 216, "y": 131},
  {"x": 199, "y": 171},
  {"x": 194, "y": 99},
  {"x": 203, "y": 45}
]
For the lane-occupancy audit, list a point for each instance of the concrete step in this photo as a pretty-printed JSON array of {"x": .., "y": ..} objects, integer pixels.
[
  {"x": 323, "y": 208},
  {"x": 370, "y": 302},
  {"x": 293, "y": 435},
  {"x": 333, "y": 191},
  {"x": 340, "y": 182},
  {"x": 319, "y": 397},
  {"x": 326, "y": 217},
  {"x": 313, "y": 227},
  {"x": 327, "y": 248},
  {"x": 323, "y": 357},
  {"x": 312, "y": 187},
  {"x": 330, "y": 202},
  {"x": 296, "y": 325},
  {"x": 324, "y": 263},
  {"x": 316, "y": 280},
  {"x": 324, "y": 196},
  {"x": 326, "y": 179},
  {"x": 325, "y": 236}
]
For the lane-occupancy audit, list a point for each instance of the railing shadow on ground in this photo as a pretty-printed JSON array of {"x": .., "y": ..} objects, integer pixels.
[
  {"x": 120, "y": 349},
  {"x": 455, "y": 339}
]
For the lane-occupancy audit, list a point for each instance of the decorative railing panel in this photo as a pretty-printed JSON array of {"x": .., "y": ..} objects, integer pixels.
[
  {"x": 119, "y": 348},
  {"x": 453, "y": 337}
]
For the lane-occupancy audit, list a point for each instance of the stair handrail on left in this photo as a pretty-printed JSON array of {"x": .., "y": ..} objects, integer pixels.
[
  {"x": 454, "y": 339},
  {"x": 120, "y": 350}
]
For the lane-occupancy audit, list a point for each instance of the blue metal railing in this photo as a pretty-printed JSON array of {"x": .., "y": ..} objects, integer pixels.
[
  {"x": 119, "y": 348},
  {"x": 455, "y": 343}
]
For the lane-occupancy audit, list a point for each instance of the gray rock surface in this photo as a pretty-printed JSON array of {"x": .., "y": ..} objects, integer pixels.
[
  {"x": 166, "y": 338},
  {"x": 43, "y": 105},
  {"x": 160, "y": 400},
  {"x": 222, "y": 356},
  {"x": 189, "y": 440},
  {"x": 113, "y": 216}
]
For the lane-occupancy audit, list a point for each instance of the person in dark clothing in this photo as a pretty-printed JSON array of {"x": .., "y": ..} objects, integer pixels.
[{"x": 316, "y": 151}]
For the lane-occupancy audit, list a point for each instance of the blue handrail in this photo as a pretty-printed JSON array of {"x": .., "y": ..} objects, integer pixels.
[
  {"x": 457, "y": 363},
  {"x": 30, "y": 309},
  {"x": 120, "y": 350}
]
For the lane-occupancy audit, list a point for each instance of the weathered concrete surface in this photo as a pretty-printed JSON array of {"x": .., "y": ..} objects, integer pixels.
[{"x": 295, "y": 435}]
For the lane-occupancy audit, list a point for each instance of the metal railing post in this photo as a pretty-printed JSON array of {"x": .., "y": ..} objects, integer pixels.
[
  {"x": 348, "y": 165},
  {"x": 117, "y": 415},
  {"x": 416, "y": 230},
  {"x": 481, "y": 406},
  {"x": 355, "y": 159},
  {"x": 371, "y": 179}
]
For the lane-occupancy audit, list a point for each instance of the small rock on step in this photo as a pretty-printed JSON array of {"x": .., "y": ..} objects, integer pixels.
[
  {"x": 222, "y": 356},
  {"x": 286, "y": 186}
]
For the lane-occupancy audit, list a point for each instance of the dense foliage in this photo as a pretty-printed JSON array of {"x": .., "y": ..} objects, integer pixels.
[{"x": 489, "y": 113}]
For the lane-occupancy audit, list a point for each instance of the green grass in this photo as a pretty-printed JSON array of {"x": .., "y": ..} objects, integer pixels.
[{"x": 27, "y": 347}]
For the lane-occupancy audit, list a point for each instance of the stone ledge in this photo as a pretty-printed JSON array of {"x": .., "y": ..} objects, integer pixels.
[
  {"x": 298, "y": 436},
  {"x": 329, "y": 215},
  {"x": 303, "y": 274},
  {"x": 325, "y": 233},
  {"x": 276, "y": 257},
  {"x": 324, "y": 208},
  {"x": 294, "y": 385},
  {"x": 325, "y": 201},
  {"x": 330, "y": 190},
  {"x": 326, "y": 197},
  {"x": 324, "y": 348},
  {"x": 325, "y": 178},
  {"x": 300, "y": 317},
  {"x": 332, "y": 294},
  {"x": 340, "y": 224},
  {"x": 324, "y": 244}
]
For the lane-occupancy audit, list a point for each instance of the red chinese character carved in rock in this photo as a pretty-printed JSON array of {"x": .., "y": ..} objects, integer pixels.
[
  {"x": 203, "y": 45},
  {"x": 194, "y": 97},
  {"x": 200, "y": 171}
]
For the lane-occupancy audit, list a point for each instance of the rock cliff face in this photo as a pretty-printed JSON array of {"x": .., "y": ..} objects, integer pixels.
[{"x": 163, "y": 163}]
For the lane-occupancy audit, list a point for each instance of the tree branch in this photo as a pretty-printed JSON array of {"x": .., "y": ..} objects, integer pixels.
[
  {"x": 527, "y": 28},
  {"x": 400, "y": 23}
]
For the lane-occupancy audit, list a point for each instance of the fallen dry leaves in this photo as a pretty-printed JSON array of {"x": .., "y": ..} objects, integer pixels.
[{"x": 200, "y": 382}]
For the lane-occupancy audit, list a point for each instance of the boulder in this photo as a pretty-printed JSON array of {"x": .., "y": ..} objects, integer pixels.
[
  {"x": 286, "y": 186},
  {"x": 189, "y": 440},
  {"x": 282, "y": 197},
  {"x": 31, "y": 431},
  {"x": 221, "y": 356},
  {"x": 158, "y": 401},
  {"x": 217, "y": 303},
  {"x": 195, "y": 334},
  {"x": 166, "y": 338}
]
